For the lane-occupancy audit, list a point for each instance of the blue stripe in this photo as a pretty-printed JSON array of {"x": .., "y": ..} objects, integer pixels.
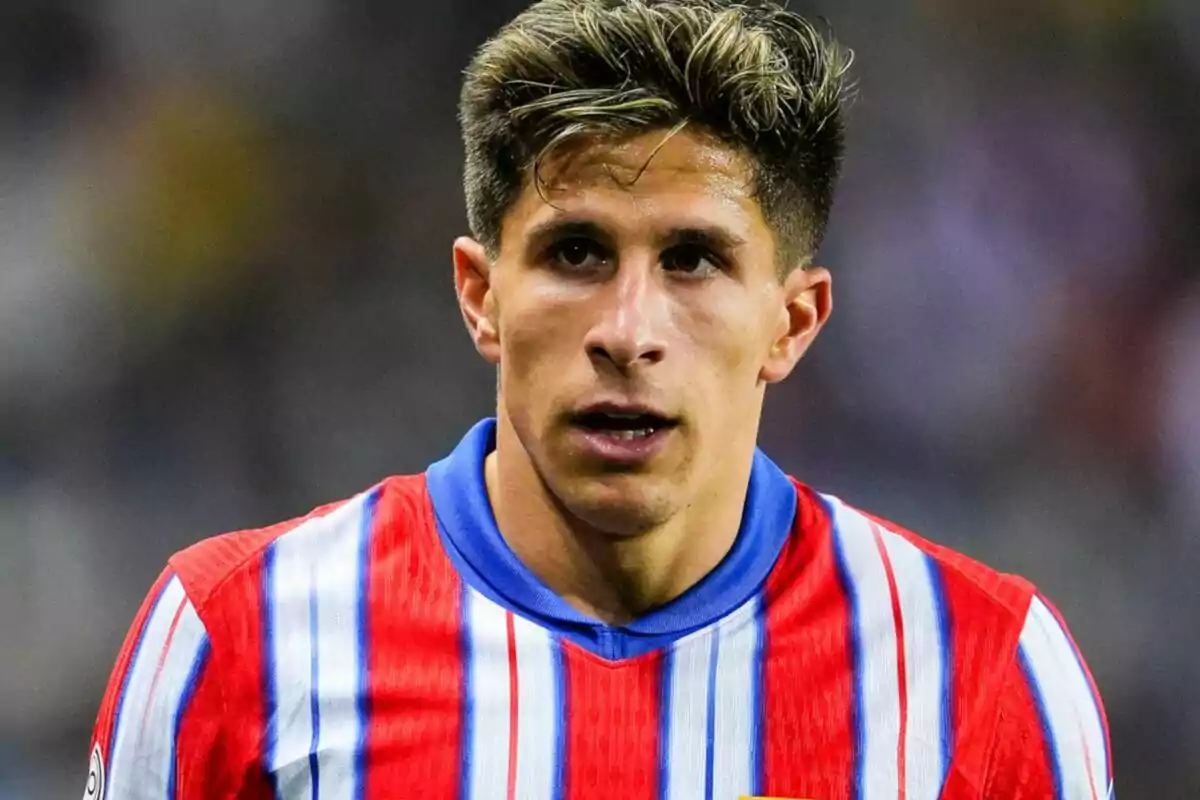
[
  {"x": 314, "y": 765},
  {"x": 711, "y": 726},
  {"x": 558, "y": 791},
  {"x": 185, "y": 699},
  {"x": 270, "y": 687},
  {"x": 133, "y": 660},
  {"x": 468, "y": 693},
  {"x": 854, "y": 637},
  {"x": 362, "y": 692},
  {"x": 758, "y": 697},
  {"x": 1039, "y": 700},
  {"x": 942, "y": 608},
  {"x": 664, "y": 723}
]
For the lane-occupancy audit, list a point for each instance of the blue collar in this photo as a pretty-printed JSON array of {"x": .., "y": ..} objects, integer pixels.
[{"x": 473, "y": 541}]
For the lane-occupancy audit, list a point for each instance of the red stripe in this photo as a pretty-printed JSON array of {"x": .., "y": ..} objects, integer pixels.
[
  {"x": 414, "y": 743},
  {"x": 237, "y": 658},
  {"x": 901, "y": 666},
  {"x": 513, "y": 705},
  {"x": 808, "y": 739},
  {"x": 986, "y": 612},
  {"x": 1019, "y": 764},
  {"x": 612, "y": 736},
  {"x": 1087, "y": 758},
  {"x": 203, "y": 767}
]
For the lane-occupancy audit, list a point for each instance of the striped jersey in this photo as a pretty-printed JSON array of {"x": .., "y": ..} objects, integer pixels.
[{"x": 393, "y": 646}]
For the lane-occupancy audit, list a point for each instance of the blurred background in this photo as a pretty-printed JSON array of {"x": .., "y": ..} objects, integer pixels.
[{"x": 225, "y": 297}]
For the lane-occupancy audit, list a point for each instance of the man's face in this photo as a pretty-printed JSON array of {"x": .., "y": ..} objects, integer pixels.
[{"x": 636, "y": 314}]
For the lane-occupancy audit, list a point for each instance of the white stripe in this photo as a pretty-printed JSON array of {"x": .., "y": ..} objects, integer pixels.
[
  {"x": 924, "y": 771},
  {"x": 144, "y": 746},
  {"x": 878, "y": 683},
  {"x": 537, "y": 712},
  {"x": 320, "y": 559},
  {"x": 736, "y": 637},
  {"x": 338, "y": 583},
  {"x": 687, "y": 748},
  {"x": 736, "y": 691},
  {"x": 291, "y": 659},
  {"x": 1066, "y": 695},
  {"x": 127, "y": 759},
  {"x": 488, "y": 690}
]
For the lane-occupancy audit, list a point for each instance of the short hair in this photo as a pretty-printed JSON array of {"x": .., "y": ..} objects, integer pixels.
[{"x": 758, "y": 78}]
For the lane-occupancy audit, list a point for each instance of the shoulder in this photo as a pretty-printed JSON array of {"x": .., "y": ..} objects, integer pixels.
[
  {"x": 973, "y": 594},
  {"x": 224, "y": 568},
  {"x": 1013, "y": 670},
  {"x": 946, "y": 607},
  {"x": 980, "y": 589}
]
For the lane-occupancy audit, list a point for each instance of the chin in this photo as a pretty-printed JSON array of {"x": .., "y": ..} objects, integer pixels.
[{"x": 617, "y": 505}]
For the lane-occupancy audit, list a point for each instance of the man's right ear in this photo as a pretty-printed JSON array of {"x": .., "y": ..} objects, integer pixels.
[{"x": 473, "y": 284}]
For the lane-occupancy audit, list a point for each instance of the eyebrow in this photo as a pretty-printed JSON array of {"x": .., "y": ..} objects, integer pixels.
[
  {"x": 711, "y": 236},
  {"x": 555, "y": 229}
]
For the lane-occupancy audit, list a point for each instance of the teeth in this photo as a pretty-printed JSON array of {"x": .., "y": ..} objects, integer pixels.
[{"x": 629, "y": 436}]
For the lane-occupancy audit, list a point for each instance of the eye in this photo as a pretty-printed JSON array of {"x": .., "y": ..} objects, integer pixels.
[
  {"x": 576, "y": 254},
  {"x": 691, "y": 260}
]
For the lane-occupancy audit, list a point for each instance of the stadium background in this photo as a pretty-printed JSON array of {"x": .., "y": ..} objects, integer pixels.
[{"x": 225, "y": 297}]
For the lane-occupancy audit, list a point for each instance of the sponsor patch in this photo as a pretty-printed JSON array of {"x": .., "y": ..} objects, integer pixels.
[{"x": 95, "y": 777}]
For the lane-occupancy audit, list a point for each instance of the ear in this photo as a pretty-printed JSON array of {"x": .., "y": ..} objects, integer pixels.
[
  {"x": 473, "y": 284},
  {"x": 808, "y": 302}
]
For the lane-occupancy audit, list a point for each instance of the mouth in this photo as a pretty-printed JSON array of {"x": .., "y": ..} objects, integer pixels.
[
  {"x": 626, "y": 423},
  {"x": 622, "y": 436}
]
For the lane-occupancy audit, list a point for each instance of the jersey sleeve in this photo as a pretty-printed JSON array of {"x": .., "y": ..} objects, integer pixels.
[
  {"x": 1051, "y": 738},
  {"x": 157, "y": 731}
]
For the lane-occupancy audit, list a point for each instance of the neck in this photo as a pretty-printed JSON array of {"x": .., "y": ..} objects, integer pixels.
[{"x": 613, "y": 578}]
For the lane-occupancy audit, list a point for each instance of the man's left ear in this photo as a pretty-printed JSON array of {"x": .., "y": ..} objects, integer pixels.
[{"x": 808, "y": 302}]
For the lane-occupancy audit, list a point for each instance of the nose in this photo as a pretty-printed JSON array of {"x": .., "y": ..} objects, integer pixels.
[{"x": 633, "y": 313}]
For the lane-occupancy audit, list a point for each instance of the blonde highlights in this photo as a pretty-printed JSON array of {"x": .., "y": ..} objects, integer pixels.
[{"x": 760, "y": 79}]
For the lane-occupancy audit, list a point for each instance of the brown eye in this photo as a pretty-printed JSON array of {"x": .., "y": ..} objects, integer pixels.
[
  {"x": 576, "y": 254},
  {"x": 690, "y": 260}
]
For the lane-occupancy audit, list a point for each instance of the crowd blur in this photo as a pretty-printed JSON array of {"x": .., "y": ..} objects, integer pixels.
[{"x": 225, "y": 297}]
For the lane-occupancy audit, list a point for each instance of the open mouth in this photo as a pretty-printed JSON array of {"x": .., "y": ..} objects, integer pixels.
[{"x": 624, "y": 426}]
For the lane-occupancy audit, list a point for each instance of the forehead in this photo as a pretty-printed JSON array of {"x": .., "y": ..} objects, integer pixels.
[{"x": 649, "y": 179}]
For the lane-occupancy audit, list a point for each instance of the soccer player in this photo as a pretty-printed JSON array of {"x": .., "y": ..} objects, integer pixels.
[{"x": 607, "y": 591}]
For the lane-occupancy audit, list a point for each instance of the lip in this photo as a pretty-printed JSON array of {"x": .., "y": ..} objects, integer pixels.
[
  {"x": 617, "y": 407},
  {"x": 608, "y": 448}
]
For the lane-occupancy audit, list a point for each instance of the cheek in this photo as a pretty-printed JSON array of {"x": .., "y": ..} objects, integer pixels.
[
  {"x": 537, "y": 338},
  {"x": 732, "y": 340}
]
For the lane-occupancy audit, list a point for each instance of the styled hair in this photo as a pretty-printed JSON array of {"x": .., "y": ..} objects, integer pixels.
[{"x": 758, "y": 78}]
